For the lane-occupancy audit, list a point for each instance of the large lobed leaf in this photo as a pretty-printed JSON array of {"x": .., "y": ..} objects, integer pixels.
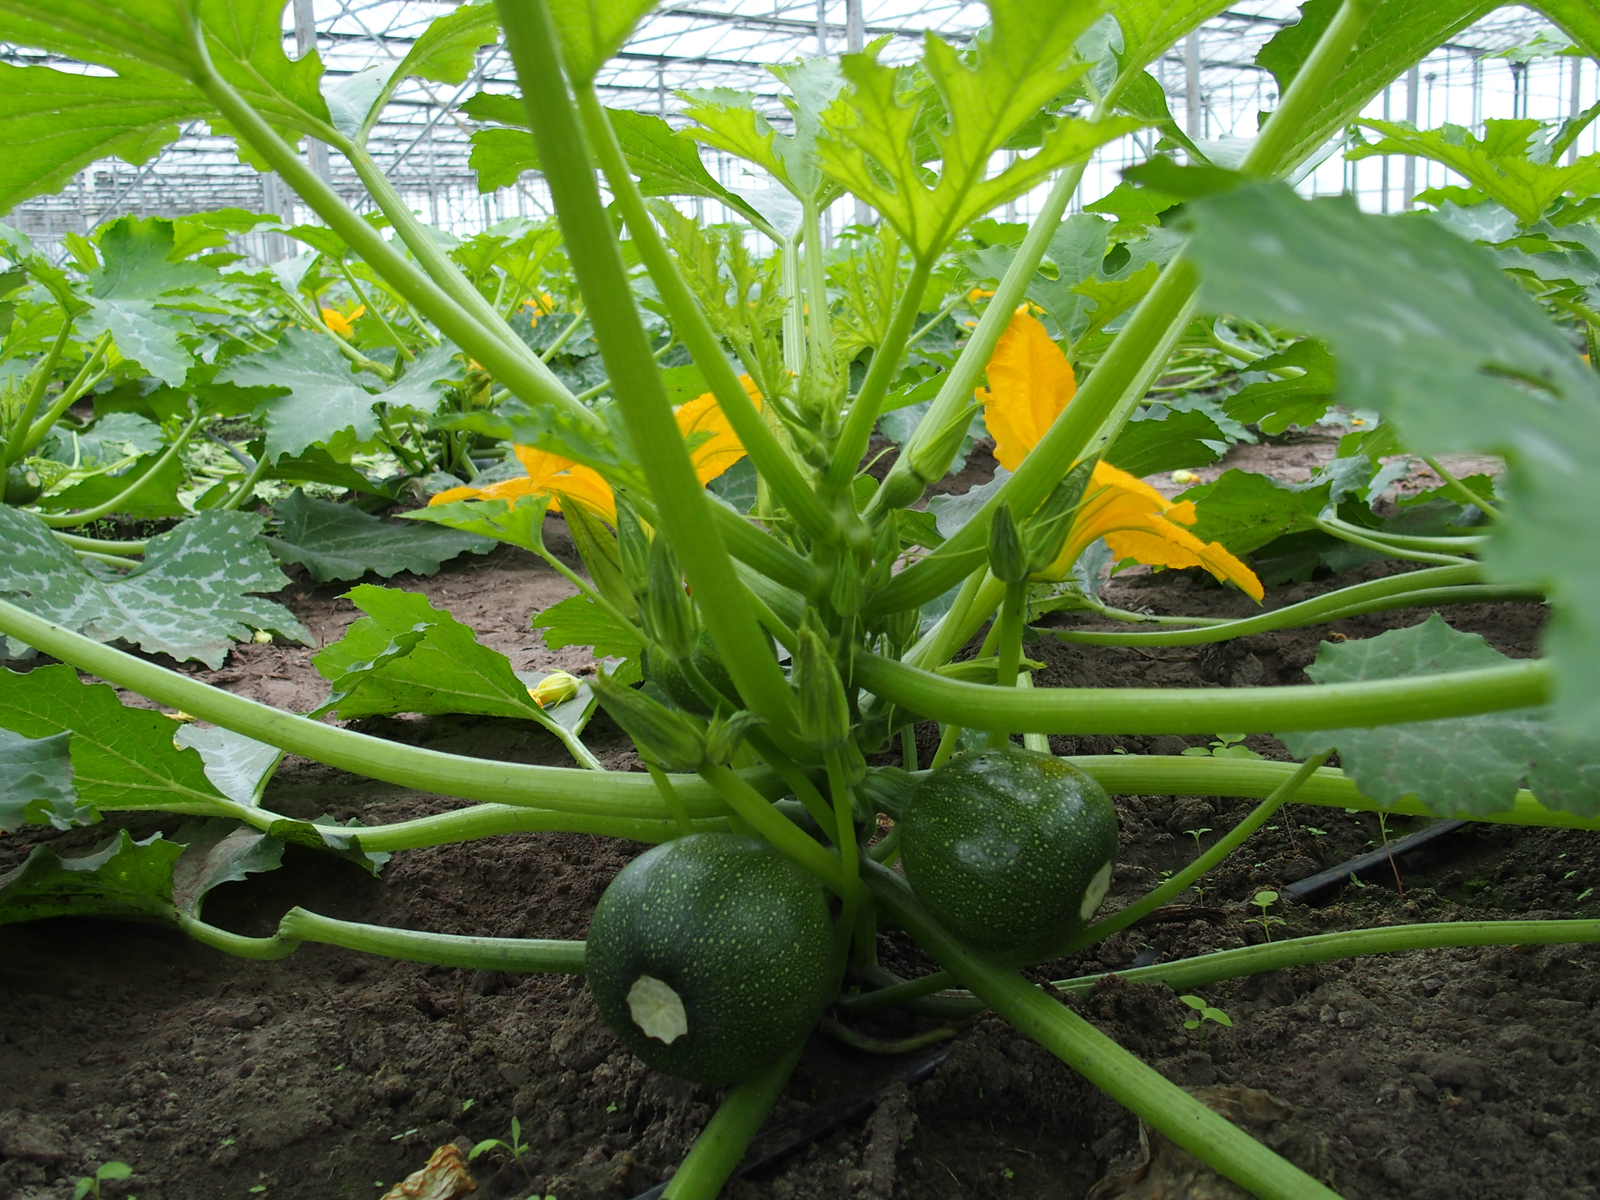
[
  {"x": 339, "y": 541},
  {"x": 67, "y": 120},
  {"x": 1466, "y": 765},
  {"x": 190, "y": 598},
  {"x": 1426, "y": 329},
  {"x": 874, "y": 133}
]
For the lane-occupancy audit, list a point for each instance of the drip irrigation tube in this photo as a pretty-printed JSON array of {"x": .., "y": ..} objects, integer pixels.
[
  {"x": 783, "y": 1140},
  {"x": 1308, "y": 889}
]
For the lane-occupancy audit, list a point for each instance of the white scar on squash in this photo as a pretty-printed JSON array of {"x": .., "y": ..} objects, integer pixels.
[
  {"x": 658, "y": 1010},
  {"x": 1095, "y": 892}
]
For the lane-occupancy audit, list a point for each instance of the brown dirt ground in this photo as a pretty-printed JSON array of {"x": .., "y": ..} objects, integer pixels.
[{"x": 1457, "y": 1074}]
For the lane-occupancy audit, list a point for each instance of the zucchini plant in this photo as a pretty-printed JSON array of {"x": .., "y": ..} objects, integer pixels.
[{"x": 792, "y": 630}]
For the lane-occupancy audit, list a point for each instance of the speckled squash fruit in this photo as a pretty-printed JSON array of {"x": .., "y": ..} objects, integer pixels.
[
  {"x": 711, "y": 956},
  {"x": 1010, "y": 850}
]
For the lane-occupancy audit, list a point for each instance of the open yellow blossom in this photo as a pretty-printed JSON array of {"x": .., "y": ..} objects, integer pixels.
[
  {"x": 541, "y": 304},
  {"x": 564, "y": 480},
  {"x": 344, "y": 324},
  {"x": 1030, "y": 382}
]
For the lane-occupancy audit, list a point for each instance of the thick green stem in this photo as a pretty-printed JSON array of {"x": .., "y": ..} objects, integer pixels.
[
  {"x": 717, "y": 1151},
  {"x": 772, "y": 459},
  {"x": 491, "y": 820},
  {"x": 669, "y": 794},
  {"x": 1461, "y": 491},
  {"x": 244, "y": 491},
  {"x": 1008, "y": 648},
  {"x": 1183, "y": 775},
  {"x": 41, "y": 381},
  {"x": 1224, "y": 846},
  {"x": 1268, "y": 155},
  {"x": 857, "y": 432},
  {"x": 84, "y": 516},
  {"x": 979, "y": 593},
  {"x": 1160, "y": 1103},
  {"x": 1394, "y": 591},
  {"x": 101, "y": 546},
  {"x": 844, "y": 836},
  {"x": 754, "y": 808},
  {"x": 562, "y": 338},
  {"x": 437, "y": 949},
  {"x": 88, "y": 375},
  {"x": 819, "y": 332},
  {"x": 905, "y": 481},
  {"x": 1128, "y": 361},
  {"x": 1358, "y": 537},
  {"x": 613, "y": 794},
  {"x": 680, "y": 500},
  {"x": 1204, "y": 710},
  {"x": 480, "y": 333},
  {"x": 388, "y": 329}
]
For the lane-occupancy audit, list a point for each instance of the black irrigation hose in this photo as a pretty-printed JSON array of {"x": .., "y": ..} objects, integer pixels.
[
  {"x": 1316, "y": 885},
  {"x": 792, "y": 1136}
]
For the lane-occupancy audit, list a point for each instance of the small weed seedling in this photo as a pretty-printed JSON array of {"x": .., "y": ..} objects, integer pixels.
[
  {"x": 89, "y": 1185},
  {"x": 1203, "y": 1013},
  {"x": 516, "y": 1147},
  {"x": 1195, "y": 834},
  {"x": 1227, "y": 745},
  {"x": 1264, "y": 901}
]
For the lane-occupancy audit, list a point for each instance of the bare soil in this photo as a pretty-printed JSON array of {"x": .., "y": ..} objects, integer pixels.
[{"x": 1457, "y": 1074}]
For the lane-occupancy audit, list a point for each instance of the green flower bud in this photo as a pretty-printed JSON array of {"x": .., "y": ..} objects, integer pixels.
[
  {"x": 848, "y": 590},
  {"x": 634, "y": 546},
  {"x": 598, "y": 549},
  {"x": 664, "y": 735},
  {"x": 669, "y": 616},
  {"x": 1047, "y": 530},
  {"x": 931, "y": 456},
  {"x": 901, "y": 488},
  {"x": 824, "y": 712},
  {"x": 1007, "y": 559},
  {"x": 724, "y": 735}
]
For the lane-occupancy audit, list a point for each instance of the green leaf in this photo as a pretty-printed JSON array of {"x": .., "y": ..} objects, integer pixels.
[
  {"x": 314, "y": 398},
  {"x": 339, "y": 541},
  {"x": 114, "y": 437},
  {"x": 154, "y": 878},
  {"x": 189, "y": 599},
  {"x": 1466, "y": 765},
  {"x": 592, "y": 31},
  {"x": 1165, "y": 442},
  {"x": 1023, "y": 62},
  {"x": 36, "y": 783},
  {"x": 1150, "y": 27},
  {"x": 519, "y": 521},
  {"x": 1400, "y": 33},
  {"x": 1578, "y": 19},
  {"x": 157, "y": 495},
  {"x": 1428, "y": 331},
  {"x": 736, "y": 123},
  {"x": 579, "y": 621},
  {"x": 1136, "y": 209},
  {"x": 237, "y": 765},
  {"x": 1300, "y": 396},
  {"x": 59, "y": 123},
  {"x": 1244, "y": 511},
  {"x": 127, "y": 291},
  {"x": 1113, "y": 297},
  {"x": 446, "y": 52},
  {"x": 122, "y": 757},
  {"x": 500, "y": 156},
  {"x": 1498, "y": 164},
  {"x": 447, "y": 670},
  {"x": 124, "y": 878},
  {"x": 422, "y": 386}
]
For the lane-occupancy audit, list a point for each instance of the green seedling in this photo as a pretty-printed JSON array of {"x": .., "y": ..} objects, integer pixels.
[
  {"x": 516, "y": 1148},
  {"x": 89, "y": 1185},
  {"x": 1265, "y": 900},
  {"x": 1204, "y": 1012},
  {"x": 1226, "y": 745},
  {"x": 1196, "y": 834}
]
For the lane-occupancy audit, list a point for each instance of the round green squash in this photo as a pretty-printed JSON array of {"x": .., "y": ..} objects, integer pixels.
[
  {"x": 711, "y": 956},
  {"x": 1011, "y": 850}
]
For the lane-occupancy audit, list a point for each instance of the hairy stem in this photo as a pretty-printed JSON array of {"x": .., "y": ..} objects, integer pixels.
[{"x": 717, "y": 1151}]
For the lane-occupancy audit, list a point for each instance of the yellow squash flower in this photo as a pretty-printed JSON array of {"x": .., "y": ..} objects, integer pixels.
[
  {"x": 564, "y": 480},
  {"x": 554, "y": 688},
  {"x": 1030, "y": 382},
  {"x": 540, "y": 305},
  {"x": 343, "y": 323}
]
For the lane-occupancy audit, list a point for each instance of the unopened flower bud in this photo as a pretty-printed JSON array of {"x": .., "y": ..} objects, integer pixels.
[
  {"x": 1007, "y": 559},
  {"x": 931, "y": 456},
  {"x": 824, "y": 712},
  {"x": 669, "y": 616},
  {"x": 664, "y": 735},
  {"x": 633, "y": 544},
  {"x": 554, "y": 688}
]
